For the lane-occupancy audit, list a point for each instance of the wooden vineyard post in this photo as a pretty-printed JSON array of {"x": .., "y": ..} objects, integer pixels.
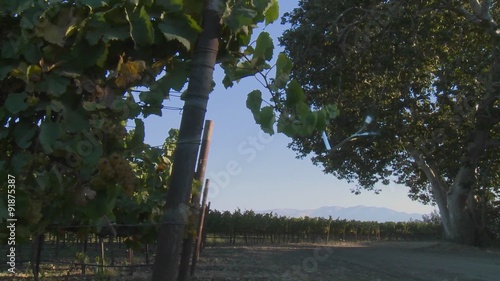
[
  {"x": 112, "y": 248},
  {"x": 204, "y": 230},
  {"x": 84, "y": 254},
  {"x": 102, "y": 254},
  {"x": 175, "y": 216},
  {"x": 57, "y": 247},
  {"x": 195, "y": 201},
  {"x": 36, "y": 252},
  {"x": 196, "y": 252},
  {"x": 131, "y": 260}
]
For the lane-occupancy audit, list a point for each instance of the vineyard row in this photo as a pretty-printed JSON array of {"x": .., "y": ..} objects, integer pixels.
[{"x": 251, "y": 227}]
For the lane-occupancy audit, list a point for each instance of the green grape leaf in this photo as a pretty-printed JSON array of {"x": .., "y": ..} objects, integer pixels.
[
  {"x": 294, "y": 94},
  {"x": 332, "y": 111},
  {"x": 284, "y": 126},
  {"x": 49, "y": 133},
  {"x": 91, "y": 151},
  {"x": 32, "y": 53},
  {"x": 141, "y": 28},
  {"x": 92, "y": 105},
  {"x": 98, "y": 206},
  {"x": 154, "y": 98},
  {"x": 175, "y": 78},
  {"x": 171, "y": 5},
  {"x": 263, "y": 49},
  {"x": 27, "y": 21},
  {"x": 4, "y": 132},
  {"x": 42, "y": 179},
  {"x": 17, "y": 6},
  {"x": 50, "y": 32},
  {"x": 56, "y": 33},
  {"x": 95, "y": 3},
  {"x": 302, "y": 110},
  {"x": 115, "y": 33},
  {"x": 183, "y": 29},
  {"x": 10, "y": 48},
  {"x": 24, "y": 133},
  {"x": 267, "y": 119},
  {"x": 272, "y": 13},
  {"x": 194, "y": 8},
  {"x": 94, "y": 55},
  {"x": 261, "y": 5},
  {"x": 151, "y": 110},
  {"x": 321, "y": 122},
  {"x": 16, "y": 102},
  {"x": 227, "y": 81},
  {"x": 5, "y": 69},
  {"x": 309, "y": 124},
  {"x": 75, "y": 119},
  {"x": 54, "y": 84},
  {"x": 283, "y": 68},
  {"x": 56, "y": 180},
  {"x": 20, "y": 161},
  {"x": 138, "y": 136},
  {"x": 133, "y": 109},
  {"x": 242, "y": 70},
  {"x": 239, "y": 17},
  {"x": 96, "y": 24},
  {"x": 254, "y": 101}
]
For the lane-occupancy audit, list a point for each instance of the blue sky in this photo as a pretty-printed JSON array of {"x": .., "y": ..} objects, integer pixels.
[{"x": 252, "y": 170}]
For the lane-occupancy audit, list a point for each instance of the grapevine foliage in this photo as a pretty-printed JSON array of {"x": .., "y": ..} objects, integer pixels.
[{"x": 68, "y": 71}]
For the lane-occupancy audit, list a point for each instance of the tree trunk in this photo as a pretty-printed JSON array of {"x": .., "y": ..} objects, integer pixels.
[
  {"x": 456, "y": 215},
  {"x": 462, "y": 225},
  {"x": 176, "y": 205},
  {"x": 465, "y": 230}
]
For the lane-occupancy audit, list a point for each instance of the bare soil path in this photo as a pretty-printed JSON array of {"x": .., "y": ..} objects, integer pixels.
[{"x": 411, "y": 261}]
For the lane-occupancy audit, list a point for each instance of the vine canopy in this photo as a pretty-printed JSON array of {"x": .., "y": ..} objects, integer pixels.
[{"x": 69, "y": 71}]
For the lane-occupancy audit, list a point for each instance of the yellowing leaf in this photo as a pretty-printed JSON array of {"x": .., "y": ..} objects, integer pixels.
[
  {"x": 158, "y": 66},
  {"x": 34, "y": 73},
  {"x": 129, "y": 72},
  {"x": 56, "y": 33}
]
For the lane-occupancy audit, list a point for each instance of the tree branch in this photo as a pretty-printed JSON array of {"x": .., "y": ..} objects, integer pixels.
[
  {"x": 438, "y": 185},
  {"x": 429, "y": 170},
  {"x": 493, "y": 143},
  {"x": 485, "y": 10},
  {"x": 480, "y": 13},
  {"x": 476, "y": 7},
  {"x": 467, "y": 15}
]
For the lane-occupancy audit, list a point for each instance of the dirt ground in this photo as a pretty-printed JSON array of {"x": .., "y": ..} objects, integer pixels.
[{"x": 382, "y": 261}]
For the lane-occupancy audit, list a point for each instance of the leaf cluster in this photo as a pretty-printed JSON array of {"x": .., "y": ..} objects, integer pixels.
[
  {"x": 68, "y": 74},
  {"x": 419, "y": 67}
]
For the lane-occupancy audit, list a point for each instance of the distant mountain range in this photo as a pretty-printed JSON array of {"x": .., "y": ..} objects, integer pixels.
[{"x": 359, "y": 213}]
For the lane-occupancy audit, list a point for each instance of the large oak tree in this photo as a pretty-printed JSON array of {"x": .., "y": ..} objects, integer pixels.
[{"x": 428, "y": 70}]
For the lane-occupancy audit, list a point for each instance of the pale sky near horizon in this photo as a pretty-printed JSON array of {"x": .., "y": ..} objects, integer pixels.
[{"x": 249, "y": 169}]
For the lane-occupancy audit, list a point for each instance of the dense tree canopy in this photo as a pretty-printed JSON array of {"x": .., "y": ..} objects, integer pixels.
[{"x": 428, "y": 72}]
